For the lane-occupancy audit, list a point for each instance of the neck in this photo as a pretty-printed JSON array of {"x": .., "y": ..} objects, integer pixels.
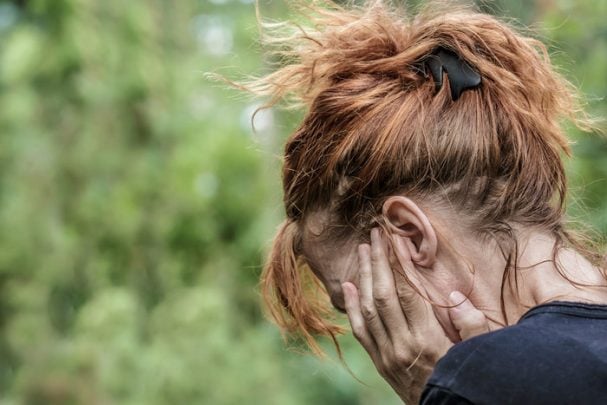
[{"x": 537, "y": 279}]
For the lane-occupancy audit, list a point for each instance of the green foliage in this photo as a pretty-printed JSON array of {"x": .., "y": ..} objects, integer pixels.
[{"x": 136, "y": 204}]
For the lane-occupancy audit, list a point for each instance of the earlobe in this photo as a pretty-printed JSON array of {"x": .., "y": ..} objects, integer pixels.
[{"x": 409, "y": 222}]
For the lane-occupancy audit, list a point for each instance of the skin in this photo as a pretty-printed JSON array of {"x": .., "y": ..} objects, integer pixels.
[{"x": 406, "y": 331}]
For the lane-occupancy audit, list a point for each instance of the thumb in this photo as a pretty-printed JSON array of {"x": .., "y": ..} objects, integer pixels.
[{"x": 468, "y": 320}]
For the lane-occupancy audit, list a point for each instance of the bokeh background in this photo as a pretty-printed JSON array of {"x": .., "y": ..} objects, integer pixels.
[{"x": 136, "y": 203}]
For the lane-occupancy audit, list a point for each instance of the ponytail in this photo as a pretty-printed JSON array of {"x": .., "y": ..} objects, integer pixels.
[{"x": 293, "y": 297}]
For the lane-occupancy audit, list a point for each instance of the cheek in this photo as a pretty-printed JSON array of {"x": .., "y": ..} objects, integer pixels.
[
  {"x": 334, "y": 267},
  {"x": 338, "y": 265}
]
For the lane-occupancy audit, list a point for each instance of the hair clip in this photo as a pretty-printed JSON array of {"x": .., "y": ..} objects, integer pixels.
[{"x": 460, "y": 74}]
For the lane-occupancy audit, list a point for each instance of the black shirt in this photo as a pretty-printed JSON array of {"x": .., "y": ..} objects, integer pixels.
[{"x": 555, "y": 354}]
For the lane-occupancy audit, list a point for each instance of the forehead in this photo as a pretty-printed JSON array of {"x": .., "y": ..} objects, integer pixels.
[
  {"x": 333, "y": 260},
  {"x": 329, "y": 257}
]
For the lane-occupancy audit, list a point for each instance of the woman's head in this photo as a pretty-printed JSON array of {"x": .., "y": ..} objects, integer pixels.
[{"x": 375, "y": 127}]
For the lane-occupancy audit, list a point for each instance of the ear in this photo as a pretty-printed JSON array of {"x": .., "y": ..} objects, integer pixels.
[{"x": 408, "y": 221}]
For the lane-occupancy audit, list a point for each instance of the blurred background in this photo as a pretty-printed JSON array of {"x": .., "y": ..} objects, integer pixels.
[{"x": 136, "y": 203}]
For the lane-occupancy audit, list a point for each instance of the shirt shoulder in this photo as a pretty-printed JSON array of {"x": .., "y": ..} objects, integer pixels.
[
  {"x": 493, "y": 357},
  {"x": 434, "y": 395},
  {"x": 531, "y": 362}
]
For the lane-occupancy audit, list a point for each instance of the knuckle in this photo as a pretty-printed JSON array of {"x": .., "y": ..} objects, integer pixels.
[
  {"x": 405, "y": 304},
  {"x": 474, "y": 332},
  {"x": 387, "y": 361},
  {"x": 402, "y": 358},
  {"x": 382, "y": 289},
  {"x": 359, "y": 333},
  {"x": 405, "y": 292},
  {"x": 382, "y": 297},
  {"x": 414, "y": 348},
  {"x": 368, "y": 311},
  {"x": 475, "y": 319},
  {"x": 409, "y": 305},
  {"x": 479, "y": 318},
  {"x": 375, "y": 260},
  {"x": 430, "y": 356},
  {"x": 478, "y": 329},
  {"x": 396, "y": 362}
]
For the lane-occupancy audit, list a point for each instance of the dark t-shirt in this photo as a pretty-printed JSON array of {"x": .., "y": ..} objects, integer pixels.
[{"x": 555, "y": 354}]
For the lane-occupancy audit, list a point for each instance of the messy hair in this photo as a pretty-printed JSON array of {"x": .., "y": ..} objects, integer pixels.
[{"x": 375, "y": 126}]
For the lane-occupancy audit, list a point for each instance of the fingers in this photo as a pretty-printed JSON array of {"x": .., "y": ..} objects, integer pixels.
[
  {"x": 357, "y": 322},
  {"x": 376, "y": 316},
  {"x": 384, "y": 290},
  {"x": 412, "y": 304},
  {"x": 367, "y": 302},
  {"x": 468, "y": 320}
]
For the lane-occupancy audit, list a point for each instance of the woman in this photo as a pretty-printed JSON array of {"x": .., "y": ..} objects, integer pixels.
[{"x": 424, "y": 190}]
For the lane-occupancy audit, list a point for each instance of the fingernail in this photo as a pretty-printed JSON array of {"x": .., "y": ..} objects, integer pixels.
[
  {"x": 363, "y": 250},
  {"x": 457, "y": 298},
  {"x": 374, "y": 234},
  {"x": 345, "y": 285},
  {"x": 346, "y": 290}
]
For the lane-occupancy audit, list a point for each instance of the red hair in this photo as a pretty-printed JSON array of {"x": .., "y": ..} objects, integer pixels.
[{"x": 375, "y": 127}]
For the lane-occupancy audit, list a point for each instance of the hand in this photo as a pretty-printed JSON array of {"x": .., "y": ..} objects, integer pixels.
[{"x": 396, "y": 326}]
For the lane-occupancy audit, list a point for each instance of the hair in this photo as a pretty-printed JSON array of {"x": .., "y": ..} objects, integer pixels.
[{"x": 374, "y": 126}]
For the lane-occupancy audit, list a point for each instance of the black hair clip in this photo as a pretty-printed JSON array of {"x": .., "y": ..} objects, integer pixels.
[{"x": 461, "y": 75}]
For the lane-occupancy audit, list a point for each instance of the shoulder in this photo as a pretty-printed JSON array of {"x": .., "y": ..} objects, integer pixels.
[
  {"x": 498, "y": 353},
  {"x": 517, "y": 364}
]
